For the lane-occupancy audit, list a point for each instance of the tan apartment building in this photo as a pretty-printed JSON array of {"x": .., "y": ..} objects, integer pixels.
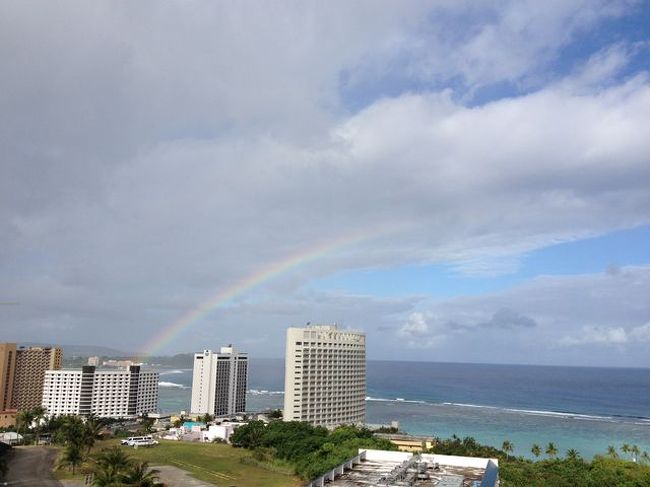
[
  {"x": 22, "y": 372},
  {"x": 31, "y": 364},
  {"x": 325, "y": 376},
  {"x": 7, "y": 372}
]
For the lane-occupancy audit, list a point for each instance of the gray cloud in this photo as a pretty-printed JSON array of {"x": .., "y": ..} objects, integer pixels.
[
  {"x": 155, "y": 155},
  {"x": 507, "y": 318}
]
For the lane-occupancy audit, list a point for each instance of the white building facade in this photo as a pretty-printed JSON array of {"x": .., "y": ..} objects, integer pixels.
[
  {"x": 325, "y": 376},
  {"x": 104, "y": 393},
  {"x": 219, "y": 382}
]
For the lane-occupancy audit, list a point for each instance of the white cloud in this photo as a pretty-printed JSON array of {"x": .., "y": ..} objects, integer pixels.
[
  {"x": 418, "y": 334},
  {"x": 415, "y": 326},
  {"x": 597, "y": 335},
  {"x": 609, "y": 336}
]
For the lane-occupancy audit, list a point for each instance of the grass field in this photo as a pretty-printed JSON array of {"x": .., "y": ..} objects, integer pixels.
[{"x": 215, "y": 463}]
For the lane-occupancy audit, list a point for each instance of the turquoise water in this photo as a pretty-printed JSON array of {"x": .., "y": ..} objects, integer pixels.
[{"x": 574, "y": 407}]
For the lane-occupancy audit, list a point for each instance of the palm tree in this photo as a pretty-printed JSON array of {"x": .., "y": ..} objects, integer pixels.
[
  {"x": 38, "y": 416},
  {"x": 72, "y": 430},
  {"x": 536, "y": 450},
  {"x": 179, "y": 422},
  {"x": 23, "y": 421},
  {"x": 636, "y": 451},
  {"x": 92, "y": 431},
  {"x": 572, "y": 454},
  {"x": 140, "y": 475},
  {"x": 71, "y": 456},
  {"x": 113, "y": 459},
  {"x": 645, "y": 458},
  {"x": 611, "y": 451},
  {"x": 625, "y": 448},
  {"x": 146, "y": 424},
  {"x": 551, "y": 449},
  {"x": 105, "y": 478},
  {"x": 507, "y": 446}
]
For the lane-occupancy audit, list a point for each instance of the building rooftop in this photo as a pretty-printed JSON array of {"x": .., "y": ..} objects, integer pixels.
[{"x": 401, "y": 469}]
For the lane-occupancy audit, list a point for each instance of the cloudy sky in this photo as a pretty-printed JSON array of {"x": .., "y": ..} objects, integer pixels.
[{"x": 464, "y": 181}]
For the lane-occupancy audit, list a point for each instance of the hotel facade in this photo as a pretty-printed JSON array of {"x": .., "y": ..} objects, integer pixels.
[
  {"x": 104, "y": 393},
  {"x": 219, "y": 382},
  {"x": 31, "y": 365},
  {"x": 325, "y": 376},
  {"x": 22, "y": 370}
]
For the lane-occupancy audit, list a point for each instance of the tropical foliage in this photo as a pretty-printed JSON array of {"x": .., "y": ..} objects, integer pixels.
[
  {"x": 114, "y": 468},
  {"x": 5, "y": 450},
  {"x": 571, "y": 471},
  {"x": 312, "y": 450}
]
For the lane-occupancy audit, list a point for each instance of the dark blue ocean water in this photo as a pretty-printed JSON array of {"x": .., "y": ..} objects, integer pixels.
[{"x": 575, "y": 407}]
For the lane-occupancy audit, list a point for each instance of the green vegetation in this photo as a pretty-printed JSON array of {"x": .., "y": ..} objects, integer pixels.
[
  {"x": 77, "y": 436},
  {"x": 114, "y": 468},
  {"x": 309, "y": 449},
  {"x": 570, "y": 471},
  {"x": 275, "y": 414},
  {"x": 5, "y": 450}
]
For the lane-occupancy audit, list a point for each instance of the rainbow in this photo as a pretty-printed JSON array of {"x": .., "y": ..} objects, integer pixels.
[{"x": 223, "y": 297}]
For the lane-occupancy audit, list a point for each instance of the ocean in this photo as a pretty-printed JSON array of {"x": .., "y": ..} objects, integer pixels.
[{"x": 585, "y": 408}]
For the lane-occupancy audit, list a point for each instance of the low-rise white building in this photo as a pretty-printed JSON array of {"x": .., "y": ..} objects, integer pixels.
[
  {"x": 391, "y": 468},
  {"x": 11, "y": 438},
  {"x": 104, "y": 393},
  {"x": 220, "y": 431}
]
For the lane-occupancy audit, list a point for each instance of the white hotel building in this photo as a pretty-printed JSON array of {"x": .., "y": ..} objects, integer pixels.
[
  {"x": 104, "y": 393},
  {"x": 325, "y": 376},
  {"x": 219, "y": 382}
]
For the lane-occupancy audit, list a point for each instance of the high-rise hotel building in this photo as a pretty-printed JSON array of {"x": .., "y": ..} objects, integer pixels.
[
  {"x": 7, "y": 373},
  {"x": 22, "y": 370},
  {"x": 219, "y": 382},
  {"x": 31, "y": 364},
  {"x": 325, "y": 376},
  {"x": 104, "y": 393}
]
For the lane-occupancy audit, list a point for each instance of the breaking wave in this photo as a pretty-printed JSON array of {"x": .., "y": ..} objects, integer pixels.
[
  {"x": 531, "y": 412},
  {"x": 170, "y": 372},
  {"x": 397, "y": 399},
  {"x": 172, "y": 384},
  {"x": 264, "y": 392}
]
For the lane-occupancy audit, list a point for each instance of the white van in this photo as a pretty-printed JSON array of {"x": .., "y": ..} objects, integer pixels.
[
  {"x": 138, "y": 440},
  {"x": 144, "y": 443}
]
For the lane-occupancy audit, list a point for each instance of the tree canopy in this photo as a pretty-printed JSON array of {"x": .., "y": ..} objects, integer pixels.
[{"x": 312, "y": 450}]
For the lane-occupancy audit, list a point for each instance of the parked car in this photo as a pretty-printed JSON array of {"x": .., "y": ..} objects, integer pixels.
[
  {"x": 144, "y": 443},
  {"x": 132, "y": 440}
]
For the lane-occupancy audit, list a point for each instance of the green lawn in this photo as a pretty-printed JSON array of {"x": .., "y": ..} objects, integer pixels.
[{"x": 212, "y": 462}]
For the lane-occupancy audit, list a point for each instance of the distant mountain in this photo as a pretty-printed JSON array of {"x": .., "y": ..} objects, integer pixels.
[
  {"x": 180, "y": 361},
  {"x": 82, "y": 350}
]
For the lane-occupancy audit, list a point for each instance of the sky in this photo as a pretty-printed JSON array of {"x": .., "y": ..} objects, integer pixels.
[{"x": 464, "y": 181}]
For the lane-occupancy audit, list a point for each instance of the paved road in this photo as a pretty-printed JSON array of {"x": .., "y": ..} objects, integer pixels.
[
  {"x": 175, "y": 477},
  {"x": 32, "y": 466}
]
